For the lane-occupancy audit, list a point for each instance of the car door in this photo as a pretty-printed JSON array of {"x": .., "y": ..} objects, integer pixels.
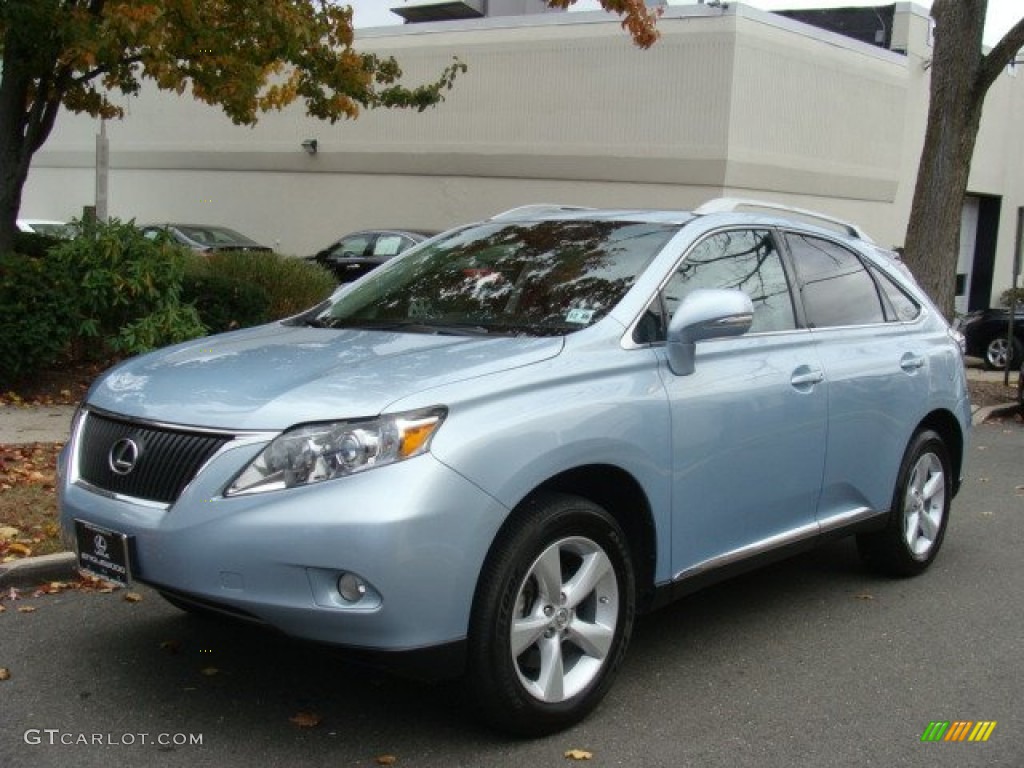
[
  {"x": 875, "y": 358},
  {"x": 749, "y": 425}
]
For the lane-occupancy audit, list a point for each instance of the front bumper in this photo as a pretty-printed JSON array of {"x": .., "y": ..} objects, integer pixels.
[{"x": 416, "y": 532}]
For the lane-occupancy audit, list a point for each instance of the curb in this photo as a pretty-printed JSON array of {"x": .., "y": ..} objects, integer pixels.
[
  {"x": 990, "y": 411},
  {"x": 33, "y": 571}
]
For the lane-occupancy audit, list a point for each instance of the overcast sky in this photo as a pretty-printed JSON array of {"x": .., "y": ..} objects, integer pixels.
[{"x": 1002, "y": 14}]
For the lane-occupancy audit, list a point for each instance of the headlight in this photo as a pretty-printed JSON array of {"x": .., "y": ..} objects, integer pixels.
[{"x": 315, "y": 452}]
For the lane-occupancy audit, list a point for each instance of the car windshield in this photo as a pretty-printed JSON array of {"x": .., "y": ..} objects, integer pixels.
[
  {"x": 536, "y": 278},
  {"x": 215, "y": 236},
  {"x": 53, "y": 229}
]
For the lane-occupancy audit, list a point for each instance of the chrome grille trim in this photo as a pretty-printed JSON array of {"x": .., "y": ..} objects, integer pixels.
[{"x": 169, "y": 456}]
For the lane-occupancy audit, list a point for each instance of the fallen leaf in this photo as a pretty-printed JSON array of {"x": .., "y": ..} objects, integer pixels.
[
  {"x": 305, "y": 719},
  {"x": 13, "y": 594},
  {"x": 578, "y": 754},
  {"x": 26, "y": 609},
  {"x": 864, "y": 596},
  {"x": 7, "y": 533},
  {"x": 17, "y": 548},
  {"x": 5, "y": 673},
  {"x": 105, "y": 590},
  {"x": 209, "y": 671},
  {"x": 385, "y": 760},
  {"x": 2, "y": 609},
  {"x": 132, "y": 597}
]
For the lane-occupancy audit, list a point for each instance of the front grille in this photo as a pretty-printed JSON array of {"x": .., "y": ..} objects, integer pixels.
[{"x": 160, "y": 465}]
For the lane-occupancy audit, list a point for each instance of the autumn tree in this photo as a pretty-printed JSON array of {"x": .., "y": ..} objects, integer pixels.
[
  {"x": 245, "y": 57},
  {"x": 961, "y": 76}
]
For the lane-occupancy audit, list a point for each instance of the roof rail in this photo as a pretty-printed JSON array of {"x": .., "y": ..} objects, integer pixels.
[
  {"x": 729, "y": 204},
  {"x": 525, "y": 211}
]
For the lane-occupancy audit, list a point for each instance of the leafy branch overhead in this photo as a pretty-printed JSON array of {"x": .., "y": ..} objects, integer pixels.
[{"x": 245, "y": 57}]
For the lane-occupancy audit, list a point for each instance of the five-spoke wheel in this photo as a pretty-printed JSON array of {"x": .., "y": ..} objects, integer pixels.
[
  {"x": 552, "y": 615},
  {"x": 920, "y": 511}
]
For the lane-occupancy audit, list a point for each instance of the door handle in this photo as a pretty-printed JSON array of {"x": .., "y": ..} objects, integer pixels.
[
  {"x": 807, "y": 377},
  {"x": 910, "y": 363}
]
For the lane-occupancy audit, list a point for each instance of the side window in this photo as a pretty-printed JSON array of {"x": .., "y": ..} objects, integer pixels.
[
  {"x": 351, "y": 247},
  {"x": 389, "y": 245},
  {"x": 899, "y": 308},
  {"x": 835, "y": 286},
  {"x": 743, "y": 259}
]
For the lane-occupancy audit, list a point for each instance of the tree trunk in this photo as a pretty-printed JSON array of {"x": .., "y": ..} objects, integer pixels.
[
  {"x": 961, "y": 78},
  {"x": 954, "y": 116},
  {"x": 25, "y": 125},
  {"x": 13, "y": 162}
]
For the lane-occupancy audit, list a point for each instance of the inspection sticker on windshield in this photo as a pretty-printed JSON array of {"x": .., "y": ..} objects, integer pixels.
[{"x": 579, "y": 316}]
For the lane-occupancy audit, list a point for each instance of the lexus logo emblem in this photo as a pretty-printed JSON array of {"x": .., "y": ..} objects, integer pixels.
[
  {"x": 99, "y": 545},
  {"x": 123, "y": 455}
]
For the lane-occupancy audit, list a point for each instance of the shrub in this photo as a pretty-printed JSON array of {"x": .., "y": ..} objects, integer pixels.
[
  {"x": 1014, "y": 295},
  {"x": 291, "y": 283},
  {"x": 129, "y": 288},
  {"x": 37, "y": 315},
  {"x": 224, "y": 303},
  {"x": 33, "y": 244}
]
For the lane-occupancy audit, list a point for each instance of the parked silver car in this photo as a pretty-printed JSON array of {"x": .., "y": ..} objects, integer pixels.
[{"x": 496, "y": 449}]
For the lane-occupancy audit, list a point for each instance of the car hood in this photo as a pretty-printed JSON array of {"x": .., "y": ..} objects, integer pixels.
[{"x": 272, "y": 377}]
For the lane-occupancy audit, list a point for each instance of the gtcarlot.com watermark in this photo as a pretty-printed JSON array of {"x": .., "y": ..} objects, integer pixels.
[{"x": 55, "y": 737}]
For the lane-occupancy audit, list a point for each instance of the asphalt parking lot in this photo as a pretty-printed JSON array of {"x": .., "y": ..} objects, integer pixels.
[{"x": 810, "y": 662}]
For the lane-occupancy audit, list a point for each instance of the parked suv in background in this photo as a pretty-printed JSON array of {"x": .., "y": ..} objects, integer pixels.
[{"x": 498, "y": 448}]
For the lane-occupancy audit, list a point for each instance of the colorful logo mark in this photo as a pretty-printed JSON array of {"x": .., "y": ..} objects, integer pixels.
[{"x": 958, "y": 730}]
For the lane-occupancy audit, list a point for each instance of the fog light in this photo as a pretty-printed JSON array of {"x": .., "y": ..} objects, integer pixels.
[{"x": 351, "y": 587}]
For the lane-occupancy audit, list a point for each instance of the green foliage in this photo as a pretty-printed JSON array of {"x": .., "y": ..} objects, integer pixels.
[
  {"x": 37, "y": 315},
  {"x": 128, "y": 288},
  {"x": 1012, "y": 296},
  {"x": 33, "y": 244},
  {"x": 292, "y": 284},
  {"x": 225, "y": 303}
]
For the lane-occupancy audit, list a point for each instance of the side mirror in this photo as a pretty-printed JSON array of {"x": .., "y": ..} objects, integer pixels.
[{"x": 705, "y": 314}]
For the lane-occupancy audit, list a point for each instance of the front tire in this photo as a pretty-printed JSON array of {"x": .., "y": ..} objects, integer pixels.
[
  {"x": 552, "y": 616},
  {"x": 920, "y": 511}
]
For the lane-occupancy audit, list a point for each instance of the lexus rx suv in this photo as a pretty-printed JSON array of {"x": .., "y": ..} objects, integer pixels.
[{"x": 494, "y": 451}]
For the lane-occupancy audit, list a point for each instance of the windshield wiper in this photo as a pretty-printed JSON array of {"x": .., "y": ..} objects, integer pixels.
[{"x": 408, "y": 326}]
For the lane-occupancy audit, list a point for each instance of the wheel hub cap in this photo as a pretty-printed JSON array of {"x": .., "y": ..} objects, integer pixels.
[{"x": 567, "y": 611}]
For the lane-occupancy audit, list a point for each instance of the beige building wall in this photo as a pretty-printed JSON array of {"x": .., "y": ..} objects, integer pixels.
[{"x": 557, "y": 108}]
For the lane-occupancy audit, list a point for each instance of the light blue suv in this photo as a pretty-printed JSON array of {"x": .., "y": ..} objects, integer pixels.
[{"x": 494, "y": 451}]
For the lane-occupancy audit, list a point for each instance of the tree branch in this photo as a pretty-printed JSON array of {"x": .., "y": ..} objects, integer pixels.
[{"x": 998, "y": 58}]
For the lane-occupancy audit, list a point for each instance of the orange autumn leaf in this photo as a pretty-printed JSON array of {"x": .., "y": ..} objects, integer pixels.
[{"x": 305, "y": 719}]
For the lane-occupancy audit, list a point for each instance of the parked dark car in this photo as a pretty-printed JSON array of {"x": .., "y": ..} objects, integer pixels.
[
  {"x": 985, "y": 333},
  {"x": 360, "y": 252},
  {"x": 206, "y": 238}
]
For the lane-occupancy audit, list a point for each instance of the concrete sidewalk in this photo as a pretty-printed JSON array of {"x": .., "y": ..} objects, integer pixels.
[{"x": 35, "y": 423}]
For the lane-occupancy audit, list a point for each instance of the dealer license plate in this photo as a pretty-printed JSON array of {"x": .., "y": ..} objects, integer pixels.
[{"x": 103, "y": 553}]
